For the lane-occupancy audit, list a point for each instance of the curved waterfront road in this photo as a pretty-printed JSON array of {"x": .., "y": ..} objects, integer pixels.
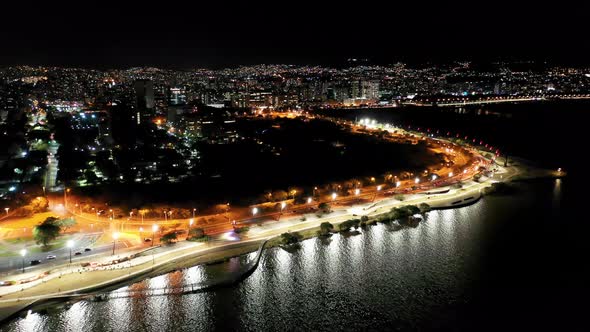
[{"x": 75, "y": 282}]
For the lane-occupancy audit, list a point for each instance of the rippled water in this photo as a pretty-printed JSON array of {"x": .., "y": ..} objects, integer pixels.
[
  {"x": 506, "y": 263},
  {"x": 428, "y": 277}
]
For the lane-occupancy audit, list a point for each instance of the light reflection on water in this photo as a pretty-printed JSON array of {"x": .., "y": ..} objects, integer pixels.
[{"x": 385, "y": 276}]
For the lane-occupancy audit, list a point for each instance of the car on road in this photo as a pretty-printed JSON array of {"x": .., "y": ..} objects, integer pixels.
[
  {"x": 77, "y": 253},
  {"x": 51, "y": 256},
  {"x": 35, "y": 262},
  {"x": 87, "y": 249}
]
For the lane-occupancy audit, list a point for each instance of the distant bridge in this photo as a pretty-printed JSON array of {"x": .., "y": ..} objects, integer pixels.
[{"x": 493, "y": 100}]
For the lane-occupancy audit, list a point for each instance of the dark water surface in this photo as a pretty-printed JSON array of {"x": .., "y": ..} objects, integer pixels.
[{"x": 514, "y": 262}]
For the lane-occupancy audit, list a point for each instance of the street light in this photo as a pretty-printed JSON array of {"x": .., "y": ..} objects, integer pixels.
[
  {"x": 70, "y": 244},
  {"x": 334, "y": 195},
  {"x": 194, "y": 210},
  {"x": 66, "y": 190},
  {"x": 376, "y": 192},
  {"x": 357, "y": 192},
  {"x": 254, "y": 211},
  {"x": 115, "y": 237},
  {"x": 23, "y": 252},
  {"x": 6, "y": 209},
  {"x": 397, "y": 184},
  {"x": 227, "y": 211},
  {"x": 451, "y": 174},
  {"x": 154, "y": 229},
  {"x": 283, "y": 204},
  {"x": 190, "y": 222},
  {"x": 417, "y": 180},
  {"x": 434, "y": 177},
  {"x": 309, "y": 200}
]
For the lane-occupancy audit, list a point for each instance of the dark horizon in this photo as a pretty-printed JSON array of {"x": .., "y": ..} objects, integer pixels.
[{"x": 181, "y": 36}]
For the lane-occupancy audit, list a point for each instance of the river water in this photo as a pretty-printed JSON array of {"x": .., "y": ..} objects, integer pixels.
[{"x": 514, "y": 262}]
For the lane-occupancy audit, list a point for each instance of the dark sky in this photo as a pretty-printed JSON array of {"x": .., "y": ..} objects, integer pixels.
[{"x": 220, "y": 33}]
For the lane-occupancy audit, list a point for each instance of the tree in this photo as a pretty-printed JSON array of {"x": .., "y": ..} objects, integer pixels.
[
  {"x": 90, "y": 176},
  {"x": 65, "y": 224},
  {"x": 424, "y": 207},
  {"x": 345, "y": 225},
  {"x": 46, "y": 231},
  {"x": 243, "y": 229},
  {"x": 403, "y": 212},
  {"x": 169, "y": 237},
  {"x": 39, "y": 204},
  {"x": 290, "y": 238},
  {"x": 325, "y": 207},
  {"x": 326, "y": 228},
  {"x": 280, "y": 195},
  {"x": 196, "y": 233}
]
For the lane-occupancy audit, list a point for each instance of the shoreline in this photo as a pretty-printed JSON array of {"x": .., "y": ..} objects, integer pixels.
[{"x": 524, "y": 172}]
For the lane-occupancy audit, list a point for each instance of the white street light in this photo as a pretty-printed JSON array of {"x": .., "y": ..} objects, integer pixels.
[
  {"x": 154, "y": 229},
  {"x": 417, "y": 180},
  {"x": 190, "y": 222},
  {"x": 398, "y": 183},
  {"x": 309, "y": 200},
  {"x": 23, "y": 252},
  {"x": 379, "y": 188},
  {"x": 283, "y": 204},
  {"x": 334, "y": 195},
  {"x": 254, "y": 211},
  {"x": 434, "y": 177},
  {"x": 357, "y": 192},
  {"x": 115, "y": 237},
  {"x": 70, "y": 244},
  {"x": 451, "y": 174}
]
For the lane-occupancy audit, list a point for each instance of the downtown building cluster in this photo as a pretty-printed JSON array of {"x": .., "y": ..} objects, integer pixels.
[{"x": 83, "y": 126}]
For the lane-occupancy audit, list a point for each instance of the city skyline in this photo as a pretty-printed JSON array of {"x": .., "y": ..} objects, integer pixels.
[{"x": 303, "y": 166}]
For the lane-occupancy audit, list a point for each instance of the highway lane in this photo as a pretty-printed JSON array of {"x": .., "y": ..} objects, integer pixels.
[{"x": 8, "y": 265}]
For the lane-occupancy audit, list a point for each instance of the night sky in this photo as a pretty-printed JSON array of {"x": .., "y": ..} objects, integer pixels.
[{"x": 218, "y": 33}]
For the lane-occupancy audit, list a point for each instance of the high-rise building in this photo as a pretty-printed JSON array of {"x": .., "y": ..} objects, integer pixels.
[
  {"x": 177, "y": 96},
  {"x": 144, "y": 99},
  {"x": 370, "y": 90}
]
